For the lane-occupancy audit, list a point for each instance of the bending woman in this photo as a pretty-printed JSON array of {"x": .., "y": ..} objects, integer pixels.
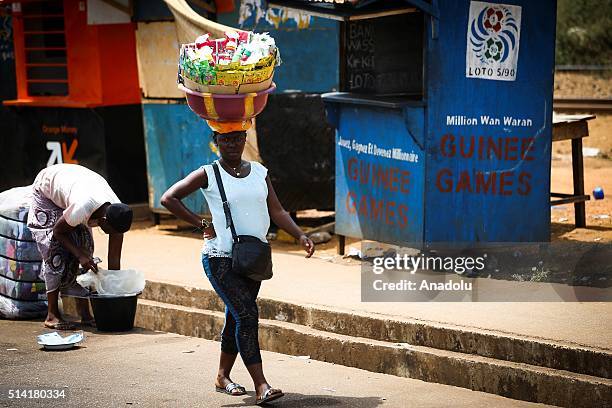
[
  {"x": 252, "y": 203},
  {"x": 67, "y": 200}
]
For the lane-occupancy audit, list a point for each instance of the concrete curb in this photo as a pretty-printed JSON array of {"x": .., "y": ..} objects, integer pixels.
[
  {"x": 501, "y": 346},
  {"x": 508, "y": 379}
]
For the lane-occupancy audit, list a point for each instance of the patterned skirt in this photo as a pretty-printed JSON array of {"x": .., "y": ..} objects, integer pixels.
[{"x": 59, "y": 267}]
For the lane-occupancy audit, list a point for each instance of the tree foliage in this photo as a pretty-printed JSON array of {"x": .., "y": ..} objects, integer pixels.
[{"x": 584, "y": 32}]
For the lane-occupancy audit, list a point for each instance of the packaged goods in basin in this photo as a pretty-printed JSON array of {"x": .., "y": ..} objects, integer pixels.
[{"x": 228, "y": 79}]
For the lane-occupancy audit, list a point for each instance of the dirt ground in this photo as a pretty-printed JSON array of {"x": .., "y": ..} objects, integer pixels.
[
  {"x": 583, "y": 84},
  {"x": 597, "y": 173},
  {"x": 598, "y": 170}
]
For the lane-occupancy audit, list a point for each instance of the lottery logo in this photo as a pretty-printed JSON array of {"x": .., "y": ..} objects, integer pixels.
[
  {"x": 493, "y": 40},
  {"x": 493, "y": 34}
]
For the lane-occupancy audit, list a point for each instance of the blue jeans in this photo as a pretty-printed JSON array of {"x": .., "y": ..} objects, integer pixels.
[{"x": 240, "y": 332}]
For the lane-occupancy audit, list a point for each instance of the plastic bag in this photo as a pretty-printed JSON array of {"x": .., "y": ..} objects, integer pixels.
[
  {"x": 26, "y": 271},
  {"x": 113, "y": 282},
  {"x": 19, "y": 250},
  {"x": 17, "y": 290},
  {"x": 15, "y": 229},
  {"x": 14, "y": 203}
]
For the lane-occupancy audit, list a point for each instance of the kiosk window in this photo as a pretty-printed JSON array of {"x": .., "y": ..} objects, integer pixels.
[
  {"x": 384, "y": 56},
  {"x": 45, "y": 48}
]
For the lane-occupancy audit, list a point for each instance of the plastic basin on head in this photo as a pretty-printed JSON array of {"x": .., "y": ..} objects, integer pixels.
[
  {"x": 114, "y": 313},
  {"x": 221, "y": 107}
]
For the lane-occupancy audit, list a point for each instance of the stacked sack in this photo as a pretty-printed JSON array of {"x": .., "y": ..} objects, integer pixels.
[
  {"x": 22, "y": 290},
  {"x": 241, "y": 62}
]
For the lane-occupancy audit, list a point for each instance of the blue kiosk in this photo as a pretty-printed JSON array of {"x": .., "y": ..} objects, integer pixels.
[{"x": 444, "y": 122}]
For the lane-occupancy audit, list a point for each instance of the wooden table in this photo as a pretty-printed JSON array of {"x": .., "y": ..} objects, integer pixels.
[{"x": 574, "y": 128}]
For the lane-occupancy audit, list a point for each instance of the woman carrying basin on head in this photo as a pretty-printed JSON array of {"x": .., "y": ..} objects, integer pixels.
[{"x": 252, "y": 202}]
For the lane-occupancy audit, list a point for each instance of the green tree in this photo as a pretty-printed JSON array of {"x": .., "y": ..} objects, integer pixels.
[{"x": 584, "y": 32}]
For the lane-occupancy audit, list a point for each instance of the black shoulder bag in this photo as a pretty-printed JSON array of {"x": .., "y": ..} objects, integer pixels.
[{"x": 251, "y": 257}]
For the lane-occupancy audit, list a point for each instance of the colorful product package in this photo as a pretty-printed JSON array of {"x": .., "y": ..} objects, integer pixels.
[{"x": 226, "y": 64}]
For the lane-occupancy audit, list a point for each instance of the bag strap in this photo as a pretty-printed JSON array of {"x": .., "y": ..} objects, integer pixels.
[{"x": 229, "y": 222}]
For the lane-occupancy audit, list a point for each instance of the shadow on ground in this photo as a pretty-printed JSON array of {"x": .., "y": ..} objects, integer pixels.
[
  {"x": 296, "y": 400},
  {"x": 559, "y": 230}
]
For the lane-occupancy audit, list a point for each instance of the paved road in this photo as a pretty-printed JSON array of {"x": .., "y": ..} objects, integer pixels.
[
  {"x": 167, "y": 257},
  {"x": 151, "y": 369}
]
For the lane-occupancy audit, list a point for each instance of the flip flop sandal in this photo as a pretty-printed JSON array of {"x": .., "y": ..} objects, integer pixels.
[
  {"x": 60, "y": 326},
  {"x": 229, "y": 388},
  {"x": 269, "y": 395}
]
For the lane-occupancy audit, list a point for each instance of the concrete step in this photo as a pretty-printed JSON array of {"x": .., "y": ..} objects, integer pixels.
[
  {"x": 506, "y": 378},
  {"x": 496, "y": 345}
]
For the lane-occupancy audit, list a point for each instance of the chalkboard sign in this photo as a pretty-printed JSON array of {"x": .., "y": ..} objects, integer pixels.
[{"x": 384, "y": 56}]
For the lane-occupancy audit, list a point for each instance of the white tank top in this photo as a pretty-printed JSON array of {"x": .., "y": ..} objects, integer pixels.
[{"x": 247, "y": 199}]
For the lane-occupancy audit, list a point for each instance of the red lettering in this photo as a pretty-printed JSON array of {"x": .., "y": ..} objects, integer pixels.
[
  {"x": 464, "y": 182},
  {"x": 393, "y": 179},
  {"x": 352, "y": 170},
  {"x": 364, "y": 172},
  {"x": 403, "y": 217},
  {"x": 526, "y": 147},
  {"x": 350, "y": 203},
  {"x": 486, "y": 147},
  {"x": 495, "y": 148},
  {"x": 503, "y": 182},
  {"x": 381, "y": 178},
  {"x": 511, "y": 148},
  {"x": 405, "y": 182},
  {"x": 449, "y": 140},
  {"x": 376, "y": 208},
  {"x": 470, "y": 152},
  {"x": 482, "y": 185},
  {"x": 363, "y": 206},
  {"x": 448, "y": 182},
  {"x": 378, "y": 176},
  {"x": 524, "y": 180},
  {"x": 390, "y": 213}
]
